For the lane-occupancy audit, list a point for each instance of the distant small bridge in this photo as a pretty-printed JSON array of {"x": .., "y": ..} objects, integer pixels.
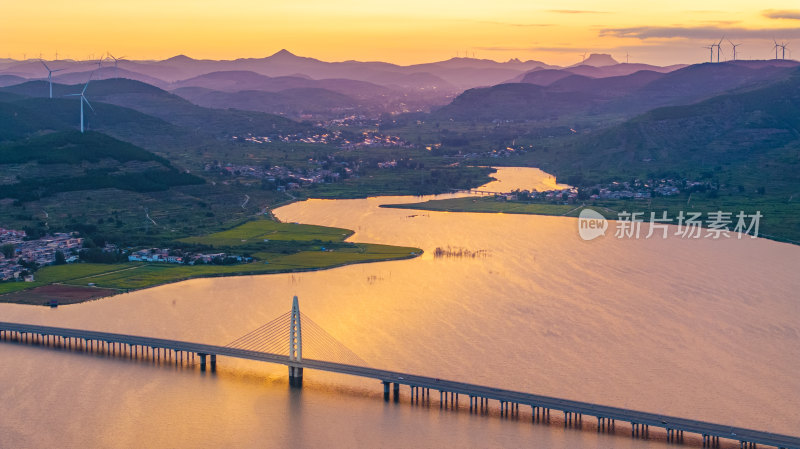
[{"x": 479, "y": 192}]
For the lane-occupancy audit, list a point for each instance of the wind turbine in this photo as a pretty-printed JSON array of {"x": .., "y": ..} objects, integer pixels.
[
  {"x": 50, "y": 76},
  {"x": 783, "y": 49},
  {"x": 719, "y": 47},
  {"x": 83, "y": 99},
  {"x": 711, "y": 50},
  {"x": 584, "y": 57},
  {"x": 775, "y": 47},
  {"x": 734, "y": 48},
  {"x": 116, "y": 61}
]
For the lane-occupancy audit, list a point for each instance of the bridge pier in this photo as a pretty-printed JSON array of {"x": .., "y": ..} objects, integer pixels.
[
  {"x": 386, "y": 391},
  {"x": 203, "y": 364},
  {"x": 214, "y": 365},
  {"x": 295, "y": 376}
]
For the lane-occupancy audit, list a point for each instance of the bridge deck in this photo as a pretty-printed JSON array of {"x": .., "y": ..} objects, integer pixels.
[{"x": 510, "y": 396}]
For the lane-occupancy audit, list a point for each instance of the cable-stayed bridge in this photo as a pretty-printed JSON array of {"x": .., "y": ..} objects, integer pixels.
[{"x": 281, "y": 341}]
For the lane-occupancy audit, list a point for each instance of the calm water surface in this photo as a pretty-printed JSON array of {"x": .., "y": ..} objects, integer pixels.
[{"x": 702, "y": 329}]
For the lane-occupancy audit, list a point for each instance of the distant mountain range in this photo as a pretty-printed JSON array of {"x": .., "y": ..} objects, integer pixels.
[
  {"x": 459, "y": 88},
  {"x": 369, "y": 88},
  {"x": 456, "y": 73},
  {"x": 552, "y": 94}
]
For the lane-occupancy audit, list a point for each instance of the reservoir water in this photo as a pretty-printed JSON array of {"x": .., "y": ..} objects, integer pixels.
[{"x": 704, "y": 329}]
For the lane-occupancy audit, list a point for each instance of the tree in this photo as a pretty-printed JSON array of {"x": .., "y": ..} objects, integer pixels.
[
  {"x": 8, "y": 250},
  {"x": 60, "y": 259}
]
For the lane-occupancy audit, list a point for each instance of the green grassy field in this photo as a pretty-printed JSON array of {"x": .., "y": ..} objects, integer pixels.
[
  {"x": 486, "y": 204},
  {"x": 303, "y": 248},
  {"x": 73, "y": 274},
  {"x": 260, "y": 230},
  {"x": 151, "y": 274}
]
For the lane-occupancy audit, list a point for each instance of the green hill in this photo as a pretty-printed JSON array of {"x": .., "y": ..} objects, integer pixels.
[
  {"x": 749, "y": 136},
  {"x": 24, "y": 116},
  {"x": 86, "y": 161}
]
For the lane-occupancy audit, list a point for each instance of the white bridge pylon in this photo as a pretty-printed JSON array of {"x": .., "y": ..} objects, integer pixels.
[
  {"x": 295, "y": 346},
  {"x": 295, "y": 334}
]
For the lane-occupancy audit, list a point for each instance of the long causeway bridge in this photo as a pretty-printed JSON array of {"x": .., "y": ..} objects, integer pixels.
[{"x": 256, "y": 346}]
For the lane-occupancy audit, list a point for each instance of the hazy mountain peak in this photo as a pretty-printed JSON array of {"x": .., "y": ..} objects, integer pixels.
[
  {"x": 599, "y": 60},
  {"x": 284, "y": 53},
  {"x": 179, "y": 58}
]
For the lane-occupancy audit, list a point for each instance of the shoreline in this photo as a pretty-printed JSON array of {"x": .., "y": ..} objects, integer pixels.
[
  {"x": 544, "y": 209},
  {"x": 120, "y": 291}
]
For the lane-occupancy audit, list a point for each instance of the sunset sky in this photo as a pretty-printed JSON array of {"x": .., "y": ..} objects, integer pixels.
[{"x": 404, "y": 32}]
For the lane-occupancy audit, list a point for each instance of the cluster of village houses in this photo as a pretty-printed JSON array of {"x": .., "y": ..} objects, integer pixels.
[
  {"x": 43, "y": 251},
  {"x": 638, "y": 189},
  {"x": 494, "y": 153},
  {"x": 40, "y": 251},
  {"x": 165, "y": 255},
  {"x": 613, "y": 191},
  {"x": 367, "y": 139},
  {"x": 277, "y": 173},
  {"x": 291, "y": 179}
]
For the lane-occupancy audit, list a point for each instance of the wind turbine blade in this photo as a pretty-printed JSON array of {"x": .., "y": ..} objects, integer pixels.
[
  {"x": 45, "y": 65},
  {"x": 87, "y": 103},
  {"x": 73, "y": 95},
  {"x": 87, "y": 83}
]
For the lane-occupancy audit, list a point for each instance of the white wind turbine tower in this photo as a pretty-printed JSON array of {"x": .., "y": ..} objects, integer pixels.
[
  {"x": 719, "y": 47},
  {"x": 776, "y": 46},
  {"x": 50, "y": 76},
  {"x": 783, "y": 49},
  {"x": 734, "y": 48},
  {"x": 83, "y": 99}
]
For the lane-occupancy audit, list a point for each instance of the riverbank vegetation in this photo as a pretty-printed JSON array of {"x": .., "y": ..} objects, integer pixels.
[
  {"x": 779, "y": 221},
  {"x": 275, "y": 247}
]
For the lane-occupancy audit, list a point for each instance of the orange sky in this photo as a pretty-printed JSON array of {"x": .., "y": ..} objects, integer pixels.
[{"x": 404, "y": 32}]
